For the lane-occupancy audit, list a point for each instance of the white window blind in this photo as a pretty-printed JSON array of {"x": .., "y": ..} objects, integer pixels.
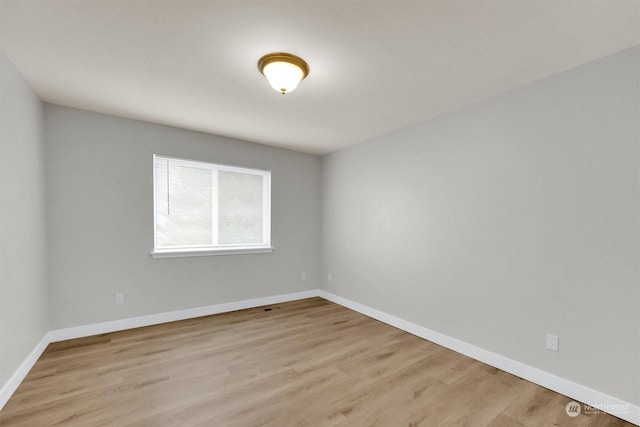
[{"x": 206, "y": 208}]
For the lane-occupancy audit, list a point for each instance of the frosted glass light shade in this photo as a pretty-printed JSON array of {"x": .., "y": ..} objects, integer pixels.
[
  {"x": 283, "y": 76},
  {"x": 283, "y": 70}
]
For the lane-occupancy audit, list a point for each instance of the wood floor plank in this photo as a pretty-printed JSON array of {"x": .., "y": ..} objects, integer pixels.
[{"x": 301, "y": 363}]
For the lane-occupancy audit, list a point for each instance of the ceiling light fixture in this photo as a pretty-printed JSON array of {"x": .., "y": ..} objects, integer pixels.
[{"x": 283, "y": 70}]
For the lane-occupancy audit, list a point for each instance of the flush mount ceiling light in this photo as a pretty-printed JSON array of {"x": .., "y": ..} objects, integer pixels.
[{"x": 283, "y": 70}]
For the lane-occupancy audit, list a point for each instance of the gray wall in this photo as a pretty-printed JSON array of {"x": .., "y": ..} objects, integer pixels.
[
  {"x": 23, "y": 284},
  {"x": 503, "y": 221},
  {"x": 100, "y": 221}
]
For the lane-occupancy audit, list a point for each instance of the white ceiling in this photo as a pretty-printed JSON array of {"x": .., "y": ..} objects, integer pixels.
[{"x": 376, "y": 66}]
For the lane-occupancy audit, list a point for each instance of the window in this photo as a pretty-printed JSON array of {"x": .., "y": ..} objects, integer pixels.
[{"x": 207, "y": 209}]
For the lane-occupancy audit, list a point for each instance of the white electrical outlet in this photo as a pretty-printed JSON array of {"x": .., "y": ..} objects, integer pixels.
[
  {"x": 303, "y": 276},
  {"x": 329, "y": 278},
  {"x": 119, "y": 298},
  {"x": 552, "y": 342}
]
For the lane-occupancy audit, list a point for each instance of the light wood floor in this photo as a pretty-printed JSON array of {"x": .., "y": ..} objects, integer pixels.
[{"x": 306, "y": 363}]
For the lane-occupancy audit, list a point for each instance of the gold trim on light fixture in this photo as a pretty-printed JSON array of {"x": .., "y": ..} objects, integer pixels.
[{"x": 288, "y": 63}]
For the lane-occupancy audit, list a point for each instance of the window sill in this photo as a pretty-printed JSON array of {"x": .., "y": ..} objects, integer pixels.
[{"x": 178, "y": 253}]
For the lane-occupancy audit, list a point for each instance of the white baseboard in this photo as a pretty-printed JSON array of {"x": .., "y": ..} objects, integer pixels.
[
  {"x": 171, "y": 316},
  {"x": 596, "y": 399},
  {"x": 18, "y": 376}
]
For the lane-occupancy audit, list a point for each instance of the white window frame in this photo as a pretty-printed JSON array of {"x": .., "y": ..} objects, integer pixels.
[{"x": 206, "y": 250}]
